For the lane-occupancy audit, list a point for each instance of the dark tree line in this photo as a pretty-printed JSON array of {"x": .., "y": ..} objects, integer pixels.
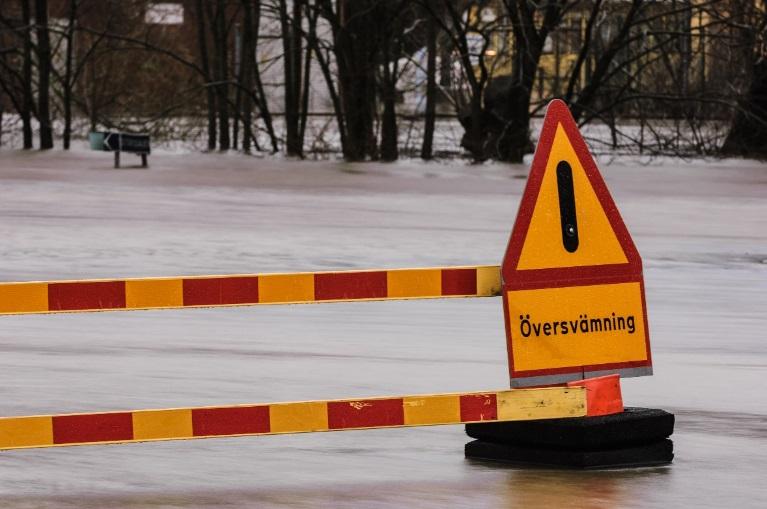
[{"x": 264, "y": 74}]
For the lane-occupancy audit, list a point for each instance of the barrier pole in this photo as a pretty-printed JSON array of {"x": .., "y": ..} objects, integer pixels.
[
  {"x": 294, "y": 417},
  {"x": 77, "y": 296}
]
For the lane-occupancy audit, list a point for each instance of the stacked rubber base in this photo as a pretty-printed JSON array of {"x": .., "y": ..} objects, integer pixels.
[{"x": 636, "y": 437}]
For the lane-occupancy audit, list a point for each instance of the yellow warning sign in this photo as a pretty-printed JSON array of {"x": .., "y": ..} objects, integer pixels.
[
  {"x": 543, "y": 247},
  {"x": 572, "y": 277}
]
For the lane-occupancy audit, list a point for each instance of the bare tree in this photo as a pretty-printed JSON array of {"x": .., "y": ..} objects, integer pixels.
[
  {"x": 398, "y": 19},
  {"x": 292, "y": 54},
  {"x": 202, "y": 43},
  {"x": 431, "y": 89},
  {"x": 263, "y": 105},
  {"x": 44, "y": 74},
  {"x": 531, "y": 24},
  {"x": 26, "y": 84},
  {"x": 247, "y": 62},
  {"x": 16, "y": 79},
  {"x": 67, "y": 81},
  {"x": 748, "y": 133},
  {"x": 461, "y": 22},
  {"x": 217, "y": 19},
  {"x": 355, "y": 49}
]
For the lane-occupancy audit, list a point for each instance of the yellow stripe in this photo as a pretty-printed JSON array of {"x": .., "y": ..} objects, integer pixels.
[
  {"x": 154, "y": 293},
  {"x": 162, "y": 424},
  {"x": 425, "y": 410},
  {"x": 409, "y": 283},
  {"x": 488, "y": 281},
  {"x": 551, "y": 403},
  {"x": 23, "y": 298},
  {"x": 298, "y": 417},
  {"x": 20, "y": 432},
  {"x": 284, "y": 288}
]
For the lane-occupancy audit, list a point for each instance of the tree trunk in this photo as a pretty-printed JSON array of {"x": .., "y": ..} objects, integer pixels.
[
  {"x": 335, "y": 99},
  {"x": 217, "y": 21},
  {"x": 44, "y": 71},
  {"x": 474, "y": 136},
  {"x": 223, "y": 77},
  {"x": 530, "y": 28},
  {"x": 748, "y": 134},
  {"x": 246, "y": 76},
  {"x": 514, "y": 140},
  {"x": 291, "y": 45},
  {"x": 355, "y": 48},
  {"x": 27, "y": 99},
  {"x": 305, "y": 87},
  {"x": 210, "y": 97},
  {"x": 67, "y": 92},
  {"x": 324, "y": 8},
  {"x": 431, "y": 89},
  {"x": 263, "y": 104},
  {"x": 389, "y": 148},
  {"x": 237, "y": 67}
]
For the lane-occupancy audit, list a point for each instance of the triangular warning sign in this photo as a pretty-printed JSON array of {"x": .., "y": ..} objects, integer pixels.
[
  {"x": 567, "y": 217},
  {"x": 572, "y": 278}
]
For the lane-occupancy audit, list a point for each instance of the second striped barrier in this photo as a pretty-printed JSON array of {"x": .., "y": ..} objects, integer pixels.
[{"x": 574, "y": 311}]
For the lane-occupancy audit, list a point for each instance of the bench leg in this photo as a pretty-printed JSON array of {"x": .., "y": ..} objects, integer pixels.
[
  {"x": 143, "y": 161},
  {"x": 117, "y": 159}
]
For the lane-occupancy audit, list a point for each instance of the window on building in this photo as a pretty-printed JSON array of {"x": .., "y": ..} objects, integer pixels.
[{"x": 164, "y": 13}]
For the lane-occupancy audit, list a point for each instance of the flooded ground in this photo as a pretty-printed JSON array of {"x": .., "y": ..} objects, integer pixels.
[{"x": 700, "y": 227}]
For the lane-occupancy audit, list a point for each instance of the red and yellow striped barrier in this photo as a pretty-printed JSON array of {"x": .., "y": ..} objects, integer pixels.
[
  {"x": 248, "y": 289},
  {"x": 296, "y": 417}
]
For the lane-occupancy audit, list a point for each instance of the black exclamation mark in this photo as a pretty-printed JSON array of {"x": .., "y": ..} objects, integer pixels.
[{"x": 567, "y": 206}]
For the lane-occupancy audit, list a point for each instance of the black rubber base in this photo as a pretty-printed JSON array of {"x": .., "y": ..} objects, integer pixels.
[
  {"x": 637, "y": 437},
  {"x": 634, "y": 426},
  {"x": 658, "y": 453}
]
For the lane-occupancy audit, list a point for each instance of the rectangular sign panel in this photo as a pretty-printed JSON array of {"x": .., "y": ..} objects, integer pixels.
[{"x": 554, "y": 328}]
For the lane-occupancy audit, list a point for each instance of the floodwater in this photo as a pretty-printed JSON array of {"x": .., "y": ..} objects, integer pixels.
[{"x": 700, "y": 227}]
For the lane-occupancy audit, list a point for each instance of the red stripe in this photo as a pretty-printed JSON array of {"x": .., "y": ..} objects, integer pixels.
[
  {"x": 365, "y": 413},
  {"x": 479, "y": 407},
  {"x": 72, "y": 429},
  {"x": 221, "y": 290},
  {"x": 558, "y": 114},
  {"x": 93, "y": 295},
  {"x": 459, "y": 281},
  {"x": 573, "y": 276},
  {"x": 230, "y": 421},
  {"x": 359, "y": 285}
]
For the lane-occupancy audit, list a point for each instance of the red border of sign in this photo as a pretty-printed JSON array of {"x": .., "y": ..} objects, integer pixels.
[{"x": 557, "y": 113}]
